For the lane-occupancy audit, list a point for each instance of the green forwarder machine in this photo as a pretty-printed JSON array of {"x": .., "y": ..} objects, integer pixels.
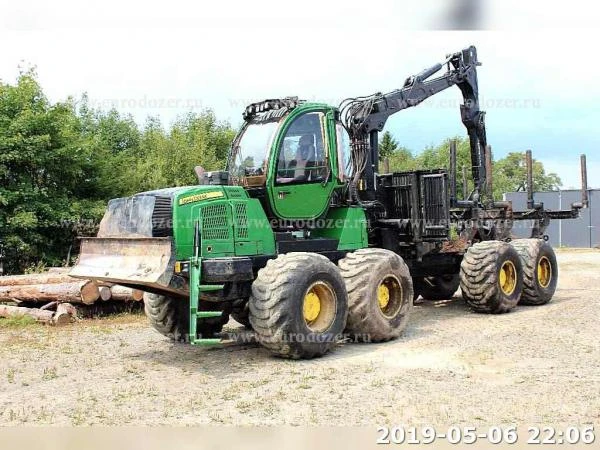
[{"x": 303, "y": 240}]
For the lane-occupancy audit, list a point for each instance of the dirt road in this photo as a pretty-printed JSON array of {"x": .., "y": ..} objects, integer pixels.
[{"x": 534, "y": 365}]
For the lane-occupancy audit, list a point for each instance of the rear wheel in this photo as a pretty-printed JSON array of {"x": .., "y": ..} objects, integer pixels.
[
  {"x": 299, "y": 305},
  {"x": 442, "y": 287},
  {"x": 170, "y": 316},
  {"x": 380, "y": 294},
  {"x": 540, "y": 270},
  {"x": 491, "y": 277}
]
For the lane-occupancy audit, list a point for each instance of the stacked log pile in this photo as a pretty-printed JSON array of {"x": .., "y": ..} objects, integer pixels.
[{"x": 50, "y": 297}]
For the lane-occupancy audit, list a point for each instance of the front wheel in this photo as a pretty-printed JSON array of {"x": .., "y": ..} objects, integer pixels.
[
  {"x": 170, "y": 316},
  {"x": 299, "y": 305}
]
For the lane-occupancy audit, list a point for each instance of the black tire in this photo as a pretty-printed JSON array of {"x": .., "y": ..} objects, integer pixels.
[
  {"x": 540, "y": 270},
  {"x": 364, "y": 272},
  {"x": 280, "y": 294},
  {"x": 442, "y": 287},
  {"x": 170, "y": 316},
  {"x": 481, "y": 280}
]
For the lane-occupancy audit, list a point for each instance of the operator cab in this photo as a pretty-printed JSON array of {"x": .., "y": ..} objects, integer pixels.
[{"x": 288, "y": 157}]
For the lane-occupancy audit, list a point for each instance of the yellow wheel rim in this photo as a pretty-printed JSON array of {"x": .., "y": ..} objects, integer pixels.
[
  {"x": 389, "y": 296},
  {"x": 312, "y": 306},
  {"x": 319, "y": 306},
  {"x": 508, "y": 278},
  {"x": 544, "y": 272},
  {"x": 383, "y": 296}
]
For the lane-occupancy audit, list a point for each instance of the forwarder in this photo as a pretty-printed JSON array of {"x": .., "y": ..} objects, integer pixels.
[{"x": 302, "y": 239}]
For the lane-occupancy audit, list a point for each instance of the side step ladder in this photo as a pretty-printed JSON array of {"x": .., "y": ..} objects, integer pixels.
[{"x": 195, "y": 290}]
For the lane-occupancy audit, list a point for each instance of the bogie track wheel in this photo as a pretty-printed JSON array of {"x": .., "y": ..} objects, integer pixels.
[
  {"x": 380, "y": 294},
  {"x": 491, "y": 277},
  {"x": 540, "y": 270}
]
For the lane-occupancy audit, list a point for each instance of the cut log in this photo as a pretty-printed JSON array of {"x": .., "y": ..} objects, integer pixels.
[
  {"x": 105, "y": 293},
  {"x": 120, "y": 293},
  {"x": 36, "y": 278},
  {"x": 126, "y": 294},
  {"x": 65, "y": 313},
  {"x": 74, "y": 292}
]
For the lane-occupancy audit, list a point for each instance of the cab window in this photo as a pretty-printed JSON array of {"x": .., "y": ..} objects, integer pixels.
[
  {"x": 302, "y": 154},
  {"x": 343, "y": 152}
]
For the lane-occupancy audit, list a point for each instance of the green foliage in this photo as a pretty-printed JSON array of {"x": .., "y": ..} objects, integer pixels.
[
  {"x": 509, "y": 173},
  {"x": 42, "y": 171},
  {"x": 387, "y": 145},
  {"x": 400, "y": 158},
  {"x": 60, "y": 163},
  {"x": 168, "y": 159}
]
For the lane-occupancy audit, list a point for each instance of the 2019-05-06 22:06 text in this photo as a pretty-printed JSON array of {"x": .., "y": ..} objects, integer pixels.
[{"x": 494, "y": 435}]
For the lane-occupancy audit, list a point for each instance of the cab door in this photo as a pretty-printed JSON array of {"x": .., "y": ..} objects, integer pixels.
[{"x": 301, "y": 176}]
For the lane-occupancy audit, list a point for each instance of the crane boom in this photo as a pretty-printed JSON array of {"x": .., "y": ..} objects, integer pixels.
[{"x": 365, "y": 117}]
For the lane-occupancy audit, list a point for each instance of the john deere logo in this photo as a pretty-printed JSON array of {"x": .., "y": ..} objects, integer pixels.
[{"x": 199, "y": 197}]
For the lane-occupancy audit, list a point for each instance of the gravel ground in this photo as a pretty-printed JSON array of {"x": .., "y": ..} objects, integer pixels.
[{"x": 535, "y": 365}]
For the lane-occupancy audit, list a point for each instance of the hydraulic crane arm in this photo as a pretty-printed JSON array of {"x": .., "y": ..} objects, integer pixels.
[{"x": 364, "y": 117}]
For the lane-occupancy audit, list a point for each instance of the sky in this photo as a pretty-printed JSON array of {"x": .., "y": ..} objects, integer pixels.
[{"x": 537, "y": 80}]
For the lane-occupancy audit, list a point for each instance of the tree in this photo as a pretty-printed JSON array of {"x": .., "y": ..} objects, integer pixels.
[
  {"x": 44, "y": 170},
  {"x": 387, "y": 146},
  {"x": 60, "y": 163},
  {"x": 510, "y": 175},
  {"x": 168, "y": 159},
  {"x": 401, "y": 158}
]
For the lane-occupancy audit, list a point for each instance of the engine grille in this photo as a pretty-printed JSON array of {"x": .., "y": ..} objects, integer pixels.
[
  {"x": 214, "y": 222},
  {"x": 241, "y": 220},
  {"x": 162, "y": 217}
]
